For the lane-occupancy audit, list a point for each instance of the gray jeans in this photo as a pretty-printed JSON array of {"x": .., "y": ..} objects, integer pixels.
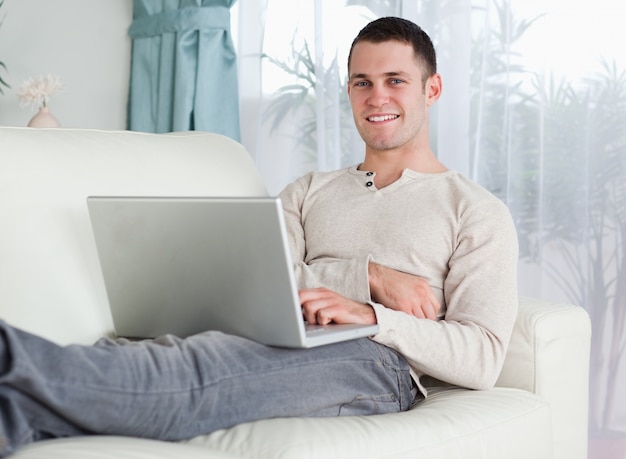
[{"x": 173, "y": 389}]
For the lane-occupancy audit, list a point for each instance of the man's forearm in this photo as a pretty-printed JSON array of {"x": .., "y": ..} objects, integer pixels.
[{"x": 402, "y": 291}]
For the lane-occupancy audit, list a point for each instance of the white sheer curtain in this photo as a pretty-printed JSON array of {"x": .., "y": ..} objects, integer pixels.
[{"x": 533, "y": 108}]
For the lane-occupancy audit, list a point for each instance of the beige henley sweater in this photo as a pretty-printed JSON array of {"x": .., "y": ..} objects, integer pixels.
[{"x": 441, "y": 227}]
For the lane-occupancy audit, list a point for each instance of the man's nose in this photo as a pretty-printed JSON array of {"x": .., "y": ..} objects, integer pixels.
[{"x": 378, "y": 96}]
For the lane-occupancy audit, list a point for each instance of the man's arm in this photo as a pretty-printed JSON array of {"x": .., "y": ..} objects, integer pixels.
[
  {"x": 468, "y": 346},
  {"x": 393, "y": 289},
  {"x": 402, "y": 292}
]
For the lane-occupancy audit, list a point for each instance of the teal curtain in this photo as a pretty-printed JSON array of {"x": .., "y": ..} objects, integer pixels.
[{"x": 183, "y": 67}]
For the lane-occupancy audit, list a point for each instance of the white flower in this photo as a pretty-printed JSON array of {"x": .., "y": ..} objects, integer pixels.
[{"x": 37, "y": 91}]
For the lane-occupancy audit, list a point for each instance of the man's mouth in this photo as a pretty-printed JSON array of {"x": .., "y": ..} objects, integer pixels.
[{"x": 381, "y": 118}]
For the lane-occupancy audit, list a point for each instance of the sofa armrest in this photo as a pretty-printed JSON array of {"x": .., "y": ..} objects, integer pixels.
[{"x": 549, "y": 356}]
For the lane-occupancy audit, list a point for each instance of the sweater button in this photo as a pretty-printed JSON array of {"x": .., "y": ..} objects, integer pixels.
[
  {"x": 369, "y": 174},
  {"x": 368, "y": 184}
]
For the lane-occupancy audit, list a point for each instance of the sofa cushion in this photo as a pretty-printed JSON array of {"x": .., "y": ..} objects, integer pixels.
[
  {"x": 450, "y": 423},
  {"x": 110, "y": 447}
]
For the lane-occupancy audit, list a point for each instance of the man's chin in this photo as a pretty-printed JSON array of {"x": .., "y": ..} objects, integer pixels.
[{"x": 381, "y": 145}]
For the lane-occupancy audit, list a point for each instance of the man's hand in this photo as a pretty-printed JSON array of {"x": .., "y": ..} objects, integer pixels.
[
  {"x": 402, "y": 292},
  {"x": 322, "y": 306}
]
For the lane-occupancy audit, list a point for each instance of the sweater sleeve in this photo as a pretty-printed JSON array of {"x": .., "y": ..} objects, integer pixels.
[
  {"x": 467, "y": 347},
  {"x": 347, "y": 277}
]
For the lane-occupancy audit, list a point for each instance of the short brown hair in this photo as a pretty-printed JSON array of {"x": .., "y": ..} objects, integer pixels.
[{"x": 404, "y": 31}]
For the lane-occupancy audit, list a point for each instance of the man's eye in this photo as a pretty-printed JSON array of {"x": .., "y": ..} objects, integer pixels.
[
  {"x": 361, "y": 83},
  {"x": 396, "y": 81}
]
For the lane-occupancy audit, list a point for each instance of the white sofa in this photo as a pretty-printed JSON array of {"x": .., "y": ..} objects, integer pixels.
[{"x": 50, "y": 283}]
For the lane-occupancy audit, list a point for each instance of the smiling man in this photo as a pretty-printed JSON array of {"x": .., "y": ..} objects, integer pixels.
[
  {"x": 400, "y": 238},
  {"x": 391, "y": 90},
  {"x": 397, "y": 240}
]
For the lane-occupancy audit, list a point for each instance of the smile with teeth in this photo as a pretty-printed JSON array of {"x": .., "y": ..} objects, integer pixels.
[{"x": 378, "y": 119}]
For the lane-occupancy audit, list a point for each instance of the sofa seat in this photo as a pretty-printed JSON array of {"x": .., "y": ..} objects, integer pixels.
[
  {"x": 447, "y": 425},
  {"x": 450, "y": 423},
  {"x": 112, "y": 447},
  {"x": 51, "y": 284}
]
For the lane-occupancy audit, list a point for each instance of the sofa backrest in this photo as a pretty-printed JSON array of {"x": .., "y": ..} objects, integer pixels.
[{"x": 50, "y": 280}]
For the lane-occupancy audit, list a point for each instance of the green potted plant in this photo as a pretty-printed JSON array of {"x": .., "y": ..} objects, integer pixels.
[
  {"x": 568, "y": 145},
  {"x": 589, "y": 264}
]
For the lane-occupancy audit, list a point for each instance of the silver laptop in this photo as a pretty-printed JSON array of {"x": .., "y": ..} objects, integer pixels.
[{"x": 187, "y": 265}]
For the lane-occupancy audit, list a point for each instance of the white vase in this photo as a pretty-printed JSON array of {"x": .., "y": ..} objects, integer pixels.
[{"x": 43, "y": 119}]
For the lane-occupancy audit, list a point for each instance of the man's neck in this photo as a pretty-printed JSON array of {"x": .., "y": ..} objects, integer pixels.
[{"x": 389, "y": 165}]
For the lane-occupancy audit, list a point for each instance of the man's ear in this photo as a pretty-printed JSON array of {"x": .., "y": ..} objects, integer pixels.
[{"x": 433, "y": 89}]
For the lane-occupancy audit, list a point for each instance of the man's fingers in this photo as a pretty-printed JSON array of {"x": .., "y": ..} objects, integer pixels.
[
  {"x": 309, "y": 295},
  {"x": 323, "y": 316},
  {"x": 429, "y": 311},
  {"x": 313, "y": 300},
  {"x": 323, "y": 306}
]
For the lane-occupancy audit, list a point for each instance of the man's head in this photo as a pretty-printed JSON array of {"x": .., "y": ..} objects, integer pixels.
[
  {"x": 392, "y": 83},
  {"x": 404, "y": 31}
]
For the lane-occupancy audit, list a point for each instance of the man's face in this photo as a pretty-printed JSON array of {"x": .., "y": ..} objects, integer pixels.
[{"x": 386, "y": 91}]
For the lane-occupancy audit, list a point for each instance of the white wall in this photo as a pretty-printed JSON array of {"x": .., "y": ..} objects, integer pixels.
[{"x": 84, "y": 42}]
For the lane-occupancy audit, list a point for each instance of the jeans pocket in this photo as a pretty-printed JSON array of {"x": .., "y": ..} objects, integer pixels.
[{"x": 370, "y": 404}]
